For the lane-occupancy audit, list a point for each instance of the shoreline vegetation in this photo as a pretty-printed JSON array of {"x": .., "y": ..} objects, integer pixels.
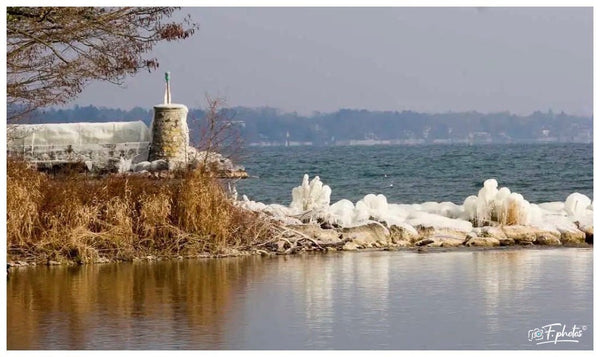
[
  {"x": 73, "y": 218},
  {"x": 83, "y": 219}
]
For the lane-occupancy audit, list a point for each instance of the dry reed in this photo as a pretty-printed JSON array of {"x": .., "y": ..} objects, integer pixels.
[{"x": 80, "y": 218}]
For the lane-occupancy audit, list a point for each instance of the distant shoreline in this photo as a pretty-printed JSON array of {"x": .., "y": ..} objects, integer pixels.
[{"x": 255, "y": 144}]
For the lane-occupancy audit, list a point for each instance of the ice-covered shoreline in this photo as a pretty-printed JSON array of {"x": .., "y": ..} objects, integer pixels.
[{"x": 494, "y": 217}]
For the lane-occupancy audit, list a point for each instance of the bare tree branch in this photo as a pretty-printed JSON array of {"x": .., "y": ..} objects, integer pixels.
[{"x": 54, "y": 52}]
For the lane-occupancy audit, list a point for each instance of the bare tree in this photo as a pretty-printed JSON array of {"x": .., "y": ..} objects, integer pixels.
[
  {"x": 53, "y": 52},
  {"x": 218, "y": 132}
]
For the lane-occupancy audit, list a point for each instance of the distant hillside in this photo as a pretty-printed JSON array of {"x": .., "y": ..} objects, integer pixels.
[{"x": 268, "y": 126}]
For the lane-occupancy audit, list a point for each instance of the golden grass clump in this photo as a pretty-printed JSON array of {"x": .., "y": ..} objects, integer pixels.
[{"x": 81, "y": 218}]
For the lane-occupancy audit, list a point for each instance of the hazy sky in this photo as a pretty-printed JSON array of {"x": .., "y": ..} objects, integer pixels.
[{"x": 423, "y": 59}]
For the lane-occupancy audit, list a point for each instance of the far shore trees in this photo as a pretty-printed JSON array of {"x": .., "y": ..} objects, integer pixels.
[{"x": 53, "y": 52}]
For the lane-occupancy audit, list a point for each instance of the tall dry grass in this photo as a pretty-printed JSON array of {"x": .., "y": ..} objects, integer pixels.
[{"x": 81, "y": 218}]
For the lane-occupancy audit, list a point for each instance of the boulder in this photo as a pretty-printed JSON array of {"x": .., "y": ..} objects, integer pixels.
[
  {"x": 490, "y": 232},
  {"x": 141, "y": 166},
  {"x": 350, "y": 246},
  {"x": 159, "y": 165},
  {"x": 368, "y": 235},
  {"x": 428, "y": 232},
  {"x": 482, "y": 242},
  {"x": 547, "y": 240},
  {"x": 440, "y": 241},
  {"x": 588, "y": 230},
  {"x": 324, "y": 236},
  {"x": 571, "y": 236},
  {"x": 403, "y": 235},
  {"x": 523, "y": 235}
]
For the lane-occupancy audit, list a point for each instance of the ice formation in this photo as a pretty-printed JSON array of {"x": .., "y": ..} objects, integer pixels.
[
  {"x": 310, "y": 196},
  {"x": 77, "y": 134},
  {"x": 491, "y": 206},
  {"x": 502, "y": 206}
]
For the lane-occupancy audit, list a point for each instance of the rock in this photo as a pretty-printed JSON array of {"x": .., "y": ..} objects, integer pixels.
[
  {"x": 589, "y": 237},
  {"x": 326, "y": 225},
  {"x": 141, "y": 166},
  {"x": 159, "y": 165},
  {"x": 53, "y": 262},
  {"x": 350, "y": 246},
  {"x": 490, "y": 232},
  {"x": 403, "y": 235},
  {"x": 440, "y": 241},
  {"x": 506, "y": 242},
  {"x": 102, "y": 260},
  {"x": 403, "y": 243},
  {"x": 424, "y": 242},
  {"x": 523, "y": 235},
  {"x": 568, "y": 236},
  {"x": 449, "y": 241},
  {"x": 547, "y": 240},
  {"x": 428, "y": 232},
  {"x": 324, "y": 236},
  {"x": 368, "y": 235},
  {"x": 482, "y": 242}
]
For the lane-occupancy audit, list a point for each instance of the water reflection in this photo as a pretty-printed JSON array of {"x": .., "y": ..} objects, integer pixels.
[
  {"x": 69, "y": 307},
  {"x": 387, "y": 300}
]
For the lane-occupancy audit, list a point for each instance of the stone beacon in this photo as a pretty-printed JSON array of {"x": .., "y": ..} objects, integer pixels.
[{"x": 169, "y": 131}]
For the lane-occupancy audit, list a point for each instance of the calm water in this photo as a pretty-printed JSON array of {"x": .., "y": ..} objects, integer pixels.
[
  {"x": 541, "y": 173},
  {"x": 367, "y": 300}
]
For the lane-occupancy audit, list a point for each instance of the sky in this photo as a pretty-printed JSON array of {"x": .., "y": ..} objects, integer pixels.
[{"x": 430, "y": 60}]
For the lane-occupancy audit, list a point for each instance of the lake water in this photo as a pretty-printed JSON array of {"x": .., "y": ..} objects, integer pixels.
[
  {"x": 367, "y": 300},
  {"x": 417, "y": 174}
]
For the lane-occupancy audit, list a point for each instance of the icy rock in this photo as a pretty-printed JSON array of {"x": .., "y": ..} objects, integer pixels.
[
  {"x": 425, "y": 219},
  {"x": 124, "y": 165},
  {"x": 371, "y": 207},
  {"x": 440, "y": 241},
  {"x": 570, "y": 236},
  {"x": 403, "y": 233},
  {"x": 523, "y": 235},
  {"x": 576, "y": 204},
  {"x": 482, "y": 242},
  {"x": 341, "y": 213},
  {"x": 141, "y": 166},
  {"x": 325, "y": 236},
  {"x": 588, "y": 230},
  {"x": 547, "y": 239},
  {"x": 139, "y": 158},
  {"x": 159, "y": 165},
  {"x": 368, "y": 235},
  {"x": 350, "y": 246},
  {"x": 310, "y": 195},
  {"x": 277, "y": 210},
  {"x": 490, "y": 232}
]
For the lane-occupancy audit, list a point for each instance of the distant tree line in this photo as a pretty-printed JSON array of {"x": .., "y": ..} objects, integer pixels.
[{"x": 272, "y": 126}]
